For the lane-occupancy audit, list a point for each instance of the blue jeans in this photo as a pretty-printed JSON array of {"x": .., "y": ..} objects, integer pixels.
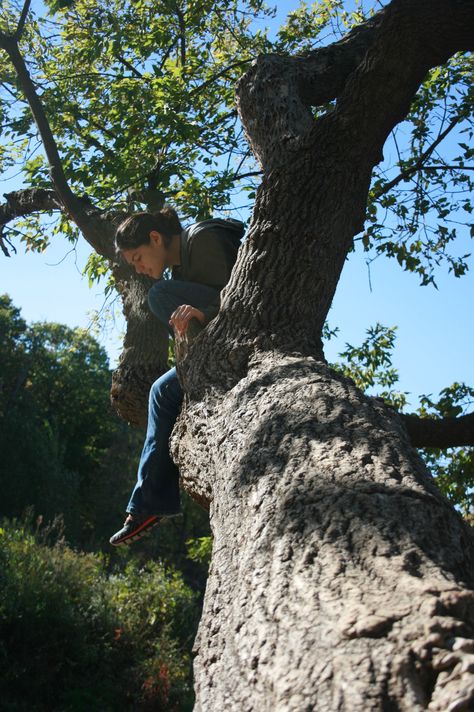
[{"x": 157, "y": 487}]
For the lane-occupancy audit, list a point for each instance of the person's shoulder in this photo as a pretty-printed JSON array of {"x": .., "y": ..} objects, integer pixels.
[{"x": 216, "y": 227}]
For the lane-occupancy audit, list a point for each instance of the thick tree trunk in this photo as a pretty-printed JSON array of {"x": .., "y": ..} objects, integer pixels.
[
  {"x": 145, "y": 348},
  {"x": 339, "y": 573},
  {"x": 340, "y": 578}
]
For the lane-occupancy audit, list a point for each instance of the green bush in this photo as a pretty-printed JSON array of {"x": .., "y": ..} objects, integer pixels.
[{"x": 74, "y": 637}]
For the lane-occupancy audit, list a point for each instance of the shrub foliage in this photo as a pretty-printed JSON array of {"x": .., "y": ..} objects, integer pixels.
[{"x": 75, "y": 636}]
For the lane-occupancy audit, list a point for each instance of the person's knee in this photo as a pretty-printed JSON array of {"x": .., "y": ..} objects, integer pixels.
[
  {"x": 166, "y": 392},
  {"x": 158, "y": 390}
]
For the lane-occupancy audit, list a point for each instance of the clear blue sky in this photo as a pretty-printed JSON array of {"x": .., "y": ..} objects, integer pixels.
[{"x": 435, "y": 344}]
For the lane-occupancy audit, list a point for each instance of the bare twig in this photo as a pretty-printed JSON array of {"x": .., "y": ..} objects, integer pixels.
[
  {"x": 201, "y": 87},
  {"x": 130, "y": 67},
  {"x": 409, "y": 172}
]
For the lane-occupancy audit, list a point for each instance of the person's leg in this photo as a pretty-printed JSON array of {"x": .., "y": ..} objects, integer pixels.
[
  {"x": 168, "y": 294},
  {"x": 157, "y": 490},
  {"x": 156, "y": 493}
]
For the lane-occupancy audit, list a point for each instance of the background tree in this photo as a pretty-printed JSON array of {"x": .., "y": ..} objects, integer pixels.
[
  {"x": 65, "y": 453},
  {"x": 312, "y": 487},
  {"x": 64, "y": 449}
]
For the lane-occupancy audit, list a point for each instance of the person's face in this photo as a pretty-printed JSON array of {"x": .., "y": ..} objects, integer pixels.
[{"x": 149, "y": 259}]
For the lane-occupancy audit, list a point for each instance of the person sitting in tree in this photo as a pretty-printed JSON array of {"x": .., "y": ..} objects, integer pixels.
[{"x": 200, "y": 259}]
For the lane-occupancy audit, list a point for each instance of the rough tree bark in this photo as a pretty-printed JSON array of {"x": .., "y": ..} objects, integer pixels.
[{"x": 340, "y": 578}]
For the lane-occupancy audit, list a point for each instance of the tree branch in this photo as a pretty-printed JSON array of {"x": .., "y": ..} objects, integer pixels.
[
  {"x": 447, "y": 168},
  {"x": 22, "y": 20},
  {"x": 374, "y": 72},
  {"x": 414, "y": 37},
  {"x": 290, "y": 86},
  {"x": 440, "y": 432},
  {"x": 94, "y": 231},
  {"x": 251, "y": 174},
  {"x": 404, "y": 175},
  {"x": 130, "y": 67},
  {"x": 218, "y": 75},
  {"x": 67, "y": 197},
  {"x": 25, "y": 202},
  {"x": 20, "y": 203},
  {"x": 182, "y": 36}
]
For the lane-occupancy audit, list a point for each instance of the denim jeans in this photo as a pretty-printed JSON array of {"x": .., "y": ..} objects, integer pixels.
[{"x": 157, "y": 487}]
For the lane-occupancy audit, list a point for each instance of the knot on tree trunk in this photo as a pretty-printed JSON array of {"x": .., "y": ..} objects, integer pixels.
[{"x": 130, "y": 390}]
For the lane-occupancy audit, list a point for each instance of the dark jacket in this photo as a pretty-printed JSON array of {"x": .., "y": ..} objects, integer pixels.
[{"x": 208, "y": 253}]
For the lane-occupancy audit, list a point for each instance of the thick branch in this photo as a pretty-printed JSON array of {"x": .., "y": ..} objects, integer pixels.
[
  {"x": 374, "y": 73},
  {"x": 414, "y": 37},
  {"x": 25, "y": 202},
  {"x": 317, "y": 172},
  {"x": 283, "y": 89},
  {"x": 22, "y": 20},
  {"x": 65, "y": 193},
  {"x": 440, "y": 433},
  {"x": 20, "y": 203},
  {"x": 91, "y": 228}
]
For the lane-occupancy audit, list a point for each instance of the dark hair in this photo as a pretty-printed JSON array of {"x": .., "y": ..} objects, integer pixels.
[{"x": 135, "y": 230}]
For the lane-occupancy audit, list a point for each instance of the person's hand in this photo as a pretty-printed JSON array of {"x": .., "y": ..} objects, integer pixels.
[{"x": 181, "y": 317}]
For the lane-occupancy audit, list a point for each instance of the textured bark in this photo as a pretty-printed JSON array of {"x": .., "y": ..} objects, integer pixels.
[
  {"x": 145, "y": 350},
  {"x": 340, "y": 578}
]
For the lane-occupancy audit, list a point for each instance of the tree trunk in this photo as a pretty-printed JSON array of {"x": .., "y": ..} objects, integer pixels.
[
  {"x": 339, "y": 573},
  {"x": 340, "y": 578}
]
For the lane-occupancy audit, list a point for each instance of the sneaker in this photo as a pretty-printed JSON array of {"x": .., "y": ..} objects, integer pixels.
[{"x": 136, "y": 527}]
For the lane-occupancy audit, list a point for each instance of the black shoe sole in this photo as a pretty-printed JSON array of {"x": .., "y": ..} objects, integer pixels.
[
  {"x": 142, "y": 531},
  {"x": 135, "y": 534}
]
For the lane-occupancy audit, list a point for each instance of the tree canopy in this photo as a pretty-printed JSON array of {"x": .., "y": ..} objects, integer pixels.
[{"x": 140, "y": 100}]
